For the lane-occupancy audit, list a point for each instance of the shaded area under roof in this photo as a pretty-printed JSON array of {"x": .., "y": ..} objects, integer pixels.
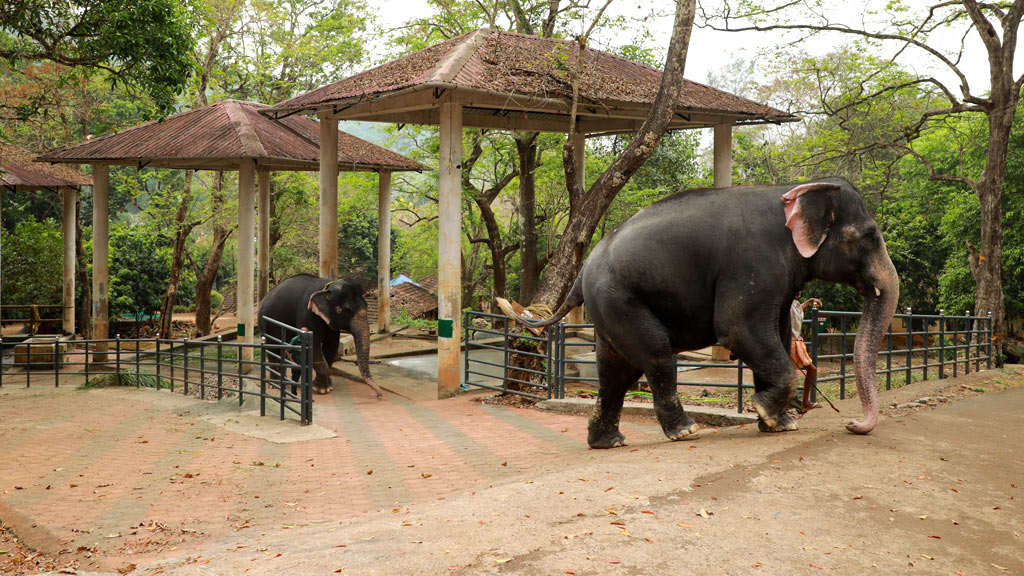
[
  {"x": 20, "y": 171},
  {"x": 216, "y": 137},
  {"x": 509, "y": 80}
]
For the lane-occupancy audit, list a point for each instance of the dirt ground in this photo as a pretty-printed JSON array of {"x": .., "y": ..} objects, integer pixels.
[{"x": 935, "y": 489}]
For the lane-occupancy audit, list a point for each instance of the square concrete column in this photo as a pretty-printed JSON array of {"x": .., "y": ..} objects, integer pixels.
[
  {"x": 100, "y": 257},
  {"x": 246, "y": 248},
  {"x": 384, "y": 252},
  {"x": 328, "y": 197},
  {"x": 263, "y": 234},
  {"x": 579, "y": 150},
  {"x": 723, "y": 179},
  {"x": 449, "y": 257},
  {"x": 69, "y": 196},
  {"x": 723, "y": 156}
]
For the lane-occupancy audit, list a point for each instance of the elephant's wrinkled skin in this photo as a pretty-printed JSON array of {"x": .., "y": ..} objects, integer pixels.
[
  {"x": 326, "y": 308},
  {"x": 723, "y": 265}
]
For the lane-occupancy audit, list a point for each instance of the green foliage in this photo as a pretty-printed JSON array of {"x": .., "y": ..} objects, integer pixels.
[
  {"x": 140, "y": 265},
  {"x": 216, "y": 300},
  {"x": 143, "y": 43},
  {"x": 32, "y": 263},
  {"x": 125, "y": 378}
]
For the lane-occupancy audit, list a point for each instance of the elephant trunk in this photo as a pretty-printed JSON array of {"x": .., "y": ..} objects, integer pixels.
[
  {"x": 361, "y": 335},
  {"x": 881, "y": 291}
]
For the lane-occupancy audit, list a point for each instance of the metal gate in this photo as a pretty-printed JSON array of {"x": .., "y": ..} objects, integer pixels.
[{"x": 275, "y": 371}]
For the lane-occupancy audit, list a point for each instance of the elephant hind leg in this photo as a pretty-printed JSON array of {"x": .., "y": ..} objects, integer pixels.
[
  {"x": 675, "y": 422},
  {"x": 615, "y": 374}
]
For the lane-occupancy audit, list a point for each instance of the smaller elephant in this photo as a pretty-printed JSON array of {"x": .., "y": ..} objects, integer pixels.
[{"x": 326, "y": 308}]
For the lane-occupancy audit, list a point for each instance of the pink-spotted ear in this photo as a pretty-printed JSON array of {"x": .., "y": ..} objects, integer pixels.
[
  {"x": 318, "y": 305},
  {"x": 810, "y": 210}
]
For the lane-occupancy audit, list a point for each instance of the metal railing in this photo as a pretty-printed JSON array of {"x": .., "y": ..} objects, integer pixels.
[
  {"x": 942, "y": 346},
  {"x": 273, "y": 371}
]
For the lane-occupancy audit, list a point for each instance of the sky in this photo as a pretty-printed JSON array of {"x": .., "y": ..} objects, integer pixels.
[{"x": 711, "y": 51}]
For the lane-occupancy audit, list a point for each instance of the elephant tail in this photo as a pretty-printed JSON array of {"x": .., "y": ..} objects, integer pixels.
[{"x": 527, "y": 318}]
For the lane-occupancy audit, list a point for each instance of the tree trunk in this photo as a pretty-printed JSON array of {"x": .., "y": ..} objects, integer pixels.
[
  {"x": 526, "y": 146},
  {"x": 181, "y": 231},
  {"x": 495, "y": 245},
  {"x": 206, "y": 278},
  {"x": 84, "y": 306},
  {"x": 587, "y": 211}
]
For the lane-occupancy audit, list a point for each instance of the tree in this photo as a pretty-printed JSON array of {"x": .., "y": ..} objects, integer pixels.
[
  {"x": 32, "y": 263},
  {"x": 139, "y": 263},
  {"x": 142, "y": 43},
  {"x": 997, "y": 26},
  {"x": 588, "y": 206}
]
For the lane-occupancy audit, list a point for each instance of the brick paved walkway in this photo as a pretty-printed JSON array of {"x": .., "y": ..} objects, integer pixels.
[{"x": 136, "y": 474}]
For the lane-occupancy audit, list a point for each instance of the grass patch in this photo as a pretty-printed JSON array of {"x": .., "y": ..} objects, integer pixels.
[{"x": 123, "y": 378}]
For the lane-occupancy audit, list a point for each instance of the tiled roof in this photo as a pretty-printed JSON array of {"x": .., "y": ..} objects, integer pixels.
[
  {"x": 522, "y": 65},
  {"x": 19, "y": 170},
  {"x": 228, "y": 131}
]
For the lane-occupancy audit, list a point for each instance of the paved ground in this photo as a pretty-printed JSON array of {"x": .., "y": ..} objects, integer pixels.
[{"x": 116, "y": 479}]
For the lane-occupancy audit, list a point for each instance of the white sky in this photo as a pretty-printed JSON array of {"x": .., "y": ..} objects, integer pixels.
[{"x": 710, "y": 50}]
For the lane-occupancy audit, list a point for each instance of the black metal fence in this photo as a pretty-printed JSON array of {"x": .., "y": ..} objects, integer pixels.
[
  {"x": 269, "y": 371},
  {"x": 503, "y": 355}
]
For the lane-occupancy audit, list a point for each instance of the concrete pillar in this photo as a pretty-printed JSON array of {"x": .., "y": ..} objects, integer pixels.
[
  {"x": 246, "y": 247},
  {"x": 263, "y": 235},
  {"x": 579, "y": 148},
  {"x": 100, "y": 256},
  {"x": 328, "y": 197},
  {"x": 384, "y": 252},
  {"x": 70, "y": 198},
  {"x": 723, "y": 179},
  {"x": 449, "y": 257},
  {"x": 723, "y": 155}
]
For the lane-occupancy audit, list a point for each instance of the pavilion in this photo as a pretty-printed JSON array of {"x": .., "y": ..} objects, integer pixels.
[
  {"x": 19, "y": 172},
  {"x": 233, "y": 135},
  {"x": 507, "y": 81}
]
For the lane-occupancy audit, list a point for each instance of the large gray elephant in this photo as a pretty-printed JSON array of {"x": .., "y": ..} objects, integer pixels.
[
  {"x": 723, "y": 265},
  {"x": 326, "y": 308}
]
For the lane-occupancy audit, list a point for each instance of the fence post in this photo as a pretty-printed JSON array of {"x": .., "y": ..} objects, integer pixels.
[
  {"x": 117, "y": 357},
  {"x": 549, "y": 353},
  {"x": 925, "y": 363},
  {"x": 967, "y": 347},
  {"x": 1, "y": 367},
  {"x": 464, "y": 386},
  {"x": 157, "y": 360},
  {"x": 888, "y": 358},
  {"x": 842, "y": 358},
  {"x": 263, "y": 376},
  {"x": 138, "y": 358},
  {"x": 202, "y": 372},
  {"x": 814, "y": 350},
  {"x": 238, "y": 357},
  {"x": 185, "y": 365},
  {"x": 989, "y": 362},
  {"x": 739, "y": 385},
  {"x": 504, "y": 380},
  {"x": 910, "y": 345},
  {"x": 56, "y": 368},
  {"x": 306, "y": 340},
  {"x": 942, "y": 343},
  {"x": 220, "y": 366}
]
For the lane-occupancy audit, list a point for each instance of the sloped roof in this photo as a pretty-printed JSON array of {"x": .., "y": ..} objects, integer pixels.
[
  {"x": 414, "y": 299},
  {"x": 217, "y": 136},
  {"x": 498, "y": 74},
  {"x": 18, "y": 170}
]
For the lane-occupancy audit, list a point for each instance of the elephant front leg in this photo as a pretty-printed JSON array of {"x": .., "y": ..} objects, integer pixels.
[
  {"x": 321, "y": 371},
  {"x": 770, "y": 402}
]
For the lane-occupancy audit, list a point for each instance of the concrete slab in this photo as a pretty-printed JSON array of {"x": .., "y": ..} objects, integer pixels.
[
  {"x": 708, "y": 415},
  {"x": 268, "y": 428}
]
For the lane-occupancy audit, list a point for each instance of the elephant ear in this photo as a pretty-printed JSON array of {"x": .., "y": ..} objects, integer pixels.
[
  {"x": 810, "y": 211},
  {"x": 319, "y": 305}
]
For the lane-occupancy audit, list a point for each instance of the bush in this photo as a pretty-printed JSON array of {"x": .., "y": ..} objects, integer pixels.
[{"x": 216, "y": 300}]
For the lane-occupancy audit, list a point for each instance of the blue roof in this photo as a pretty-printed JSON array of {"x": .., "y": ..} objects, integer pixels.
[{"x": 402, "y": 279}]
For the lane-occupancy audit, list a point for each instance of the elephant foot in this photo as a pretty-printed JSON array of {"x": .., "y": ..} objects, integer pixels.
[
  {"x": 602, "y": 440},
  {"x": 683, "y": 431},
  {"x": 771, "y": 413},
  {"x": 323, "y": 389},
  {"x": 784, "y": 423}
]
